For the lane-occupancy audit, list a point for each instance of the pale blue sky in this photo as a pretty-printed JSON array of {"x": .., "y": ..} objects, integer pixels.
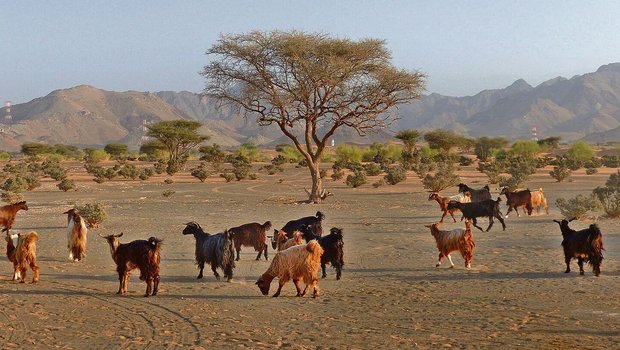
[{"x": 463, "y": 46}]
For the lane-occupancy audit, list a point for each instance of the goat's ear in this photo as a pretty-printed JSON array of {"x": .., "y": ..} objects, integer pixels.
[
  {"x": 575, "y": 218},
  {"x": 554, "y": 220},
  {"x": 120, "y": 235}
]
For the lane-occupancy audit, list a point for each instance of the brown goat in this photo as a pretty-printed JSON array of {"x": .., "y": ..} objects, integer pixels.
[
  {"x": 8, "y": 213},
  {"x": 22, "y": 255},
  {"x": 141, "y": 254},
  {"x": 516, "y": 199},
  {"x": 459, "y": 239},
  {"x": 76, "y": 235},
  {"x": 251, "y": 235}
]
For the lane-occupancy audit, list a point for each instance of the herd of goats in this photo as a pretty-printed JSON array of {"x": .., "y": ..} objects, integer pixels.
[
  {"x": 300, "y": 244},
  {"x": 585, "y": 245}
]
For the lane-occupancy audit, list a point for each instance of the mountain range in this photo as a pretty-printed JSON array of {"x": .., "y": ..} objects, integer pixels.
[{"x": 585, "y": 106}]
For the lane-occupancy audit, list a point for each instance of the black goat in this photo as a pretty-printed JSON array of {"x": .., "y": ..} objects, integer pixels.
[
  {"x": 332, "y": 245},
  {"x": 314, "y": 222},
  {"x": 585, "y": 245},
  {"x": 488, "y": 208},
  {"x": 216, "y": 250},
  {"x": 476, "y": 195},
  {"x": 515, "y": 199}
]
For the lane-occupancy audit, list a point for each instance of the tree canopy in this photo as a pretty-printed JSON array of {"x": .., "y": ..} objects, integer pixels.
[
  {"x": 309, "y": 85},
  {"x": 444, "y": 139},
  {"x": 177, "y": 138}
]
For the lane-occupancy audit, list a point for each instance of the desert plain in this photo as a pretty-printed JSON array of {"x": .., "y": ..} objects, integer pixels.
[{"x": 391, "y": 296}]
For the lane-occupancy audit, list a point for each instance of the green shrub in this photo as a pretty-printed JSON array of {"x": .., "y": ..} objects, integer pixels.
[
  {"x": 465, "y": 161},
  {"x": 593, "y": 163},
  {"x": 253, "y": 176},
  {"x": 378, "y": 183},
  {"x": 348, "y": 154},
  {"x": 11, "y": 197},
  {"x": 93, "y": 213},
  {"x": 54, "y": 170},
  {"x": 227, "y": 176},
  {"x": 395, "y": 175},
  {"x": 145, "y": 173},
  {"x": 443, "y": 178},
  {"x": 5, "y": 156},
  {"x": 241, "y": 167},
  {"x": 168, "y": 181},
  {"x": 323, "y": 173},
  {"x": 200, "y": 172},
  {"x": 609, "y": 195},
  {"x": 167, "y": 193},
  {"x": 129, "y": 171},
  {"x": 159, "y": 167},
  {"x": 560, "y": 172},
  {"x": 66, "y": 185},
  {"x": 357, "y": 179},
  {"x": 577, "y": 207},
  {"x": 337, "y": 174},
  {"x": 95, "y": 155},
  {"x": 373, "y": 169},
  {"x": 591, "y": 171},
  {"x": 15, "y": 184},
  {"x": 611, "y": 161}
]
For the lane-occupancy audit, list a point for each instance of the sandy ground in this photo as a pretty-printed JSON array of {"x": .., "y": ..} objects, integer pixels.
[{"x": 391, "y": 295}]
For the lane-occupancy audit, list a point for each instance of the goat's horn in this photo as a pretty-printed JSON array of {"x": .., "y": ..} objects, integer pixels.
[{"x": 575, "y": 218}]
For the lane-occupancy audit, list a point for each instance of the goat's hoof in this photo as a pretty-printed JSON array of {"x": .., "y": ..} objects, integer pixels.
[
  {"x": 567, "y": 271},
  {"x": 581, "y": 273},
  {"x": 199, "y": 277},
  {"x": 451, "y": 266},
  {"x": 437, "y": 265}
]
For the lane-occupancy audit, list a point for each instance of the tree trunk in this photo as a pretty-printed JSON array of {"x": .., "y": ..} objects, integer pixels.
[{"x": 317, "y": 183}]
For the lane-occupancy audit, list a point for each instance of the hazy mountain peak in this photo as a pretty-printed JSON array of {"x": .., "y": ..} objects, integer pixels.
[
  {"x": 612, "y": 67},
  {"x": 519, "y": 85}
]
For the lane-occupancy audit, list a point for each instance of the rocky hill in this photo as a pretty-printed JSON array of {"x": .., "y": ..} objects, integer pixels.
[{"x": 583, "y": 106}]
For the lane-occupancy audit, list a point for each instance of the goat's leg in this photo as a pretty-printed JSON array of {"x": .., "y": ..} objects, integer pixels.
[
  {"x": 260, "y": 252},
  {"x": 580, "y": 263},
  {"x": 201, "y": 265},
  {"x": 508, "y": 212},
  {"x": 238, "y": 251},
  {"x": 35, "y": 271},
  {"x": 228, "y": 272},
  {"x": 214, "y": 269},
  {"x": 490, "y": 223},
  {"x": 475, "y": 223},
  {"x": 452, "y": 214},
  {"x": 439, "y": 261},
  {"x": 323, "y": 275},
  {"x": 450, "y": 259},
  {"x": 315, "y": 288},
  {"x": 22, "y": 271},
  {"x": 121, "y": 280},
  {"x": 149, "y": 286},
  {"x": 445, "y": 212},
  {"x": 281, "y": 283},
  {"x": 567, "y": 260},
  {"x": 265, "y": 253},
  {"x": 338, "y": 271},
  {"x": 499, "y": 217},
  {"x": 297, "y": 287},
  {"x": 155, "y": 284}
]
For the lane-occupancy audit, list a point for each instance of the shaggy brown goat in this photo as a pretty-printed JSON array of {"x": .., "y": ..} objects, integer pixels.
[
  {"x": 539, "y": 200},
  {"x": 8, "y": 212},
  {"x": 459, "y": 239},
  {"x": 251, "y": 235},
  {"x": 140, "y": 254},
  {"x": 300, "y": 262},
  {"x": 76, "y": 235},
  {"x": 22, "y": 255},
  {"x": 584, "y": 245}
]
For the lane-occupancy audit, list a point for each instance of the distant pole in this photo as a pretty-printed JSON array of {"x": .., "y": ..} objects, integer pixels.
[
  {"x": 534, "y": 133},
  {"x": 7, "y": 116}
]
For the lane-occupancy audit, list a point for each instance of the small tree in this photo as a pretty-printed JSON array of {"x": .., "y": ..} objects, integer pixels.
[
  {"x": 36, "y": 149},
  {"x": 395, "y": 175},
  {"x": 357, "y": 179},
  {"x": 116, "y": 150},
  {"x": 580, "y": 151},
  {"x": 485, "y": 146},
  {"x": 177, "y": 138},
  {"x": 444, "y": 139},
  {"x": 550, "y": 143},
  {"x": 443, "y": 178},
  {"x": 560, "y": 172}
]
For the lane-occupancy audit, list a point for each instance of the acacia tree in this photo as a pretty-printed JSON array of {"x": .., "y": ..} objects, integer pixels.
[
  {"x": 177, "y": 138},
  {"x": 309, "y": 85}
]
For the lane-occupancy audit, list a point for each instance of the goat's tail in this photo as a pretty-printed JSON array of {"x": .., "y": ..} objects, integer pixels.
[
  {"x": 155, "y": 243},
  {"x": 30, "y": 238}
]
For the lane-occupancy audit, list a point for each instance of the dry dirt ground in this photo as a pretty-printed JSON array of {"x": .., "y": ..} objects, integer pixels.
[{"x": 390, "y": 296}]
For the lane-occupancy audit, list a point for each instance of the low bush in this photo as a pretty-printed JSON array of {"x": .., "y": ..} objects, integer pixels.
[
  {"x": 577, "y": 207},
  {"x": 93, "y": 213}
]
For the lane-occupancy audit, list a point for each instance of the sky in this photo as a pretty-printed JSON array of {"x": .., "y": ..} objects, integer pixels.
[{"x": 463, "y": 46}]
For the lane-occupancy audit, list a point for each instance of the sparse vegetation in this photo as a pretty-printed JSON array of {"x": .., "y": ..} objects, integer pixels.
[
  {"x": 66, "y": 185},
  {"x": 395, "y": 175},
  {"x": 357, "y": 179},
  {"x": 93, "y": 213},
  {"x": 577, "y": 207}
]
